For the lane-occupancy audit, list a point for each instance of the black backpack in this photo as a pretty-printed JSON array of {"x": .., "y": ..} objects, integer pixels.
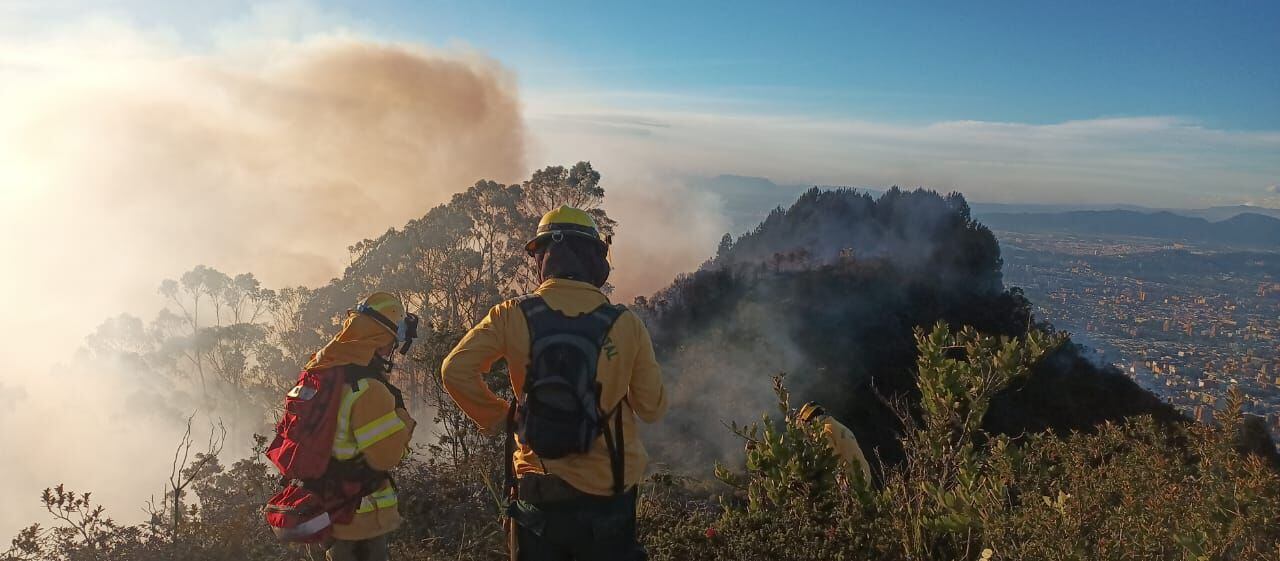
[{"x": 558, "y": 411}]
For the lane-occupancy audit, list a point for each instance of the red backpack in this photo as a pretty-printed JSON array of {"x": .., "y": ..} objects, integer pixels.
[
  {"x": 319, "y": 491},
  {"x": 304, "y": 435}
]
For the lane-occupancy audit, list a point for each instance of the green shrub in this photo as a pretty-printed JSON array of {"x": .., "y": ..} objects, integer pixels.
[{"x": 1133, "y": 491}]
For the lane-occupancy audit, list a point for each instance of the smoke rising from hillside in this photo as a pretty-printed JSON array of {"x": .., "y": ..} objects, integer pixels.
[
  {"x": 827, "y": 292},
  {"x": 125, "y": 160},
  {"x": 665, "y": 228}
]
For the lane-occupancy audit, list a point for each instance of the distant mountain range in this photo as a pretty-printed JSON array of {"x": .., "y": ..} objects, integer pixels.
[
  {"x": 1244, "y": 229},
  {"x": 1212, "y": 214},
  {"x": 746, "y": 200}
]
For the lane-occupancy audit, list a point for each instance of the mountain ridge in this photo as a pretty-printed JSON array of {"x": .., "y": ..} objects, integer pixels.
[
  {"x": 1245, "y": 229},
  {"x": 748, "y": 199}
]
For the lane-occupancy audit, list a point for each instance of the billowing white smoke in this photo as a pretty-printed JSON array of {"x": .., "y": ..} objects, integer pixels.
[
  {"x": 665, "y": 228},
  {"x": 125, "y": 160}
]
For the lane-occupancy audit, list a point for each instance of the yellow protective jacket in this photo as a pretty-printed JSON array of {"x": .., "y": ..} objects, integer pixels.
[
  {"x": 846, "y": 447},
  {"x": 370, "y": 425},
  {"x": 627, "y": 368}
]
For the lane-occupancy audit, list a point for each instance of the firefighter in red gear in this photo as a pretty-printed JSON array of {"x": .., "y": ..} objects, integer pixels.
[{"x": 373, "y": 424}]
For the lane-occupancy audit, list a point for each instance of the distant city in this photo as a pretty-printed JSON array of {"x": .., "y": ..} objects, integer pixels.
[{"x": 1186, "y": 321}]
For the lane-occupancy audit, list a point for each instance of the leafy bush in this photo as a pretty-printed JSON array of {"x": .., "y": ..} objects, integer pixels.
[
  {"x": 1137, "y": 490},
  {"x": 784, "y": 462}
]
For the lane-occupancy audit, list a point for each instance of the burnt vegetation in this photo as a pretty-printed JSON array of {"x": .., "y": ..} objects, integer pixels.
[
  {"x": 844, "y": 279},
  {"x": 1020, "y": 448}
]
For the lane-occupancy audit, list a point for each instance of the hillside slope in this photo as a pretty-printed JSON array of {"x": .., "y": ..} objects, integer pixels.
[{"x": 829, "y": 291}]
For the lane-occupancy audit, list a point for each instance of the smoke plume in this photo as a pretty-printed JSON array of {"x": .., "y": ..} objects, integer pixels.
[
  {"x": 125, "y": 160},
  {"x": 665, "y": 227}
]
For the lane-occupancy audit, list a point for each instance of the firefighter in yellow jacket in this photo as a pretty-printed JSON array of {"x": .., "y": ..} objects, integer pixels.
[
  {"x": 373, "y": 424},
  {"x": 580, "y": 506},
  {"x": 841, "y": 438}
]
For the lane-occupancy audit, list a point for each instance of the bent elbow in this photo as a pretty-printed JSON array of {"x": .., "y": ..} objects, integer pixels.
[
  {"x": 449, "y": 373},
  {"x": 653, "y": 413}
]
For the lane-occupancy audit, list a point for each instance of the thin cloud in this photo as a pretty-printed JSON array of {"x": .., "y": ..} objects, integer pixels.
[
  {"x": 663, "y": 65},
  {"x": 1158, "y": 160}
]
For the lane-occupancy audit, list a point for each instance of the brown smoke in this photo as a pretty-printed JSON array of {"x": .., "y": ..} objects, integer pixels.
[
  {"x": 164, "y": 164},
  {"x": 120, "y": 167}
]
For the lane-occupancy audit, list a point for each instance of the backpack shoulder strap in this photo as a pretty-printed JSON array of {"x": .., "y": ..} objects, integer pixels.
[
  {"x": 616, "y": 446},
  {"x": 544, "y": 321},
  {"x": 353, "y": 375},
  {"x": 607, "y": 315},
  {"x": 521, "y": 299},
  {"x": 396, "y": 393},
  {"x": 536, "y": 311}
]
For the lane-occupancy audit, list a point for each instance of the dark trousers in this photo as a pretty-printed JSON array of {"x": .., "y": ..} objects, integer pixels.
[
  {"x": 373, "y": 549},
  {"x": 553, "y": 522}
]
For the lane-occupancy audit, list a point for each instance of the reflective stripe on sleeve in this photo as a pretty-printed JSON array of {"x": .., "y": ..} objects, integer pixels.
[{"x": 380, "y": 428}]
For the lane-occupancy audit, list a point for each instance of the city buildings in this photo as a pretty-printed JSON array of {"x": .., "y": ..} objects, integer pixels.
[{"x": 1186, "y": 324}]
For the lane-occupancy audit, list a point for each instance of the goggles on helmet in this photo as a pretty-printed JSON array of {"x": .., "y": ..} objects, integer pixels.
[{"x": 406, "y": 331}]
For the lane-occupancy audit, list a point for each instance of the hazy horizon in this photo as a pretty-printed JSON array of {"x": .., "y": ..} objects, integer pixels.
[{"x": 139, "y": 139}]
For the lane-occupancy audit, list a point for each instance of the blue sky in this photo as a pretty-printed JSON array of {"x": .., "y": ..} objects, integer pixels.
[
  {"x": 1217, "y": 63},
  {"x": 1157, "y": 103}
]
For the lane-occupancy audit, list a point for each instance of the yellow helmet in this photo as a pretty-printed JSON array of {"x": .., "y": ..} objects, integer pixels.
[
  {"x": 384, "y": 307},
  {"x": 809, "y": 411},
  {"x": 564, "y": 221}
]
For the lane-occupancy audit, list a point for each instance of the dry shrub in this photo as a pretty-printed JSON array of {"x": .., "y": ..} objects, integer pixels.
[{"x": 1137, "y": 490}]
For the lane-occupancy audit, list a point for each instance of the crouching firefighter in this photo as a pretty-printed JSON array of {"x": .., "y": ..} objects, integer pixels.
[
  {"x": 843, "y": 443},
  {"x": 582, "y": 370},
  {"x": 344, "y": 427}
]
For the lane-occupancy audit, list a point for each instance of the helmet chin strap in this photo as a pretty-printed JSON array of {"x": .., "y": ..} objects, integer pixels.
[{"x": 383, "y": 363}]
